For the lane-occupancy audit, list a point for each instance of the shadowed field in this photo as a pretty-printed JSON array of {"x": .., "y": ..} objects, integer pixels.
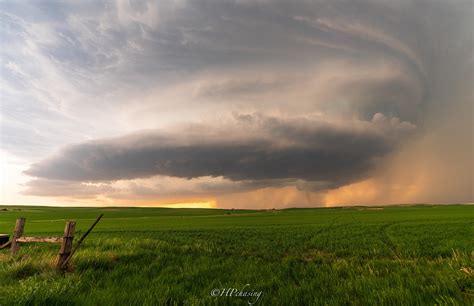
[{"x": 394, "y": 255}]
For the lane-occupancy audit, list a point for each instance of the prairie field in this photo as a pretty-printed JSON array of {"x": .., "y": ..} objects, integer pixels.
[{"x": 398, "y": 255}]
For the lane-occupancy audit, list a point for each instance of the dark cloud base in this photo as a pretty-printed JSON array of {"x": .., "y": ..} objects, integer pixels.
[{"x": 270, "y": 150}]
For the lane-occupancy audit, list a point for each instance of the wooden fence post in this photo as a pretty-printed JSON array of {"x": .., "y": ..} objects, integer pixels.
[
  {"x": 66, "y": 244},
  {"x": 17, "y": 233}
]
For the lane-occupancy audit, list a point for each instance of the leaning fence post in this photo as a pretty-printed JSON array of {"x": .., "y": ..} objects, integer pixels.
[
  {"x": 66, "y": 244},
  {"x": 19, "y": 227},
  {"x": 64, "y": 265}
]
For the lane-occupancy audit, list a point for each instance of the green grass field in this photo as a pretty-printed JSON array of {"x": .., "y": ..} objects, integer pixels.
[{"x": 151, "y": 256}]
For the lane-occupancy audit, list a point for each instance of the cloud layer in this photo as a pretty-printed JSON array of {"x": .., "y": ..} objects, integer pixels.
[{"x": 253, "y": 149}]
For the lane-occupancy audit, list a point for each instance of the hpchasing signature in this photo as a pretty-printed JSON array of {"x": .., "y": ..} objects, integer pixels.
[{"x": 244, "y": 292}]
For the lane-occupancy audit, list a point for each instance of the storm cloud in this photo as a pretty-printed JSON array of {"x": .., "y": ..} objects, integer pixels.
[
  {"x": 239, "y": 99},
  {"x": 251, "y": 148}
]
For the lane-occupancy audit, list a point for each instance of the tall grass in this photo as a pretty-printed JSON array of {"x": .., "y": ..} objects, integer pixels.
[{"x": 337, "y": 259}]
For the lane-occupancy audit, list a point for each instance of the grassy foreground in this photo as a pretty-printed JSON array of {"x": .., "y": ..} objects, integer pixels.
[{"x": 152, "y": 256}]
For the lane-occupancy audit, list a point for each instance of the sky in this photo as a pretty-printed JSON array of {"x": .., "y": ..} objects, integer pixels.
[{"x": 236, "y": 104}]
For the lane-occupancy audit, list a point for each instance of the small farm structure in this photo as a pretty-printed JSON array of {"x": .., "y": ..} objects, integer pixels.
[{"x": 66, "y": 250}]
